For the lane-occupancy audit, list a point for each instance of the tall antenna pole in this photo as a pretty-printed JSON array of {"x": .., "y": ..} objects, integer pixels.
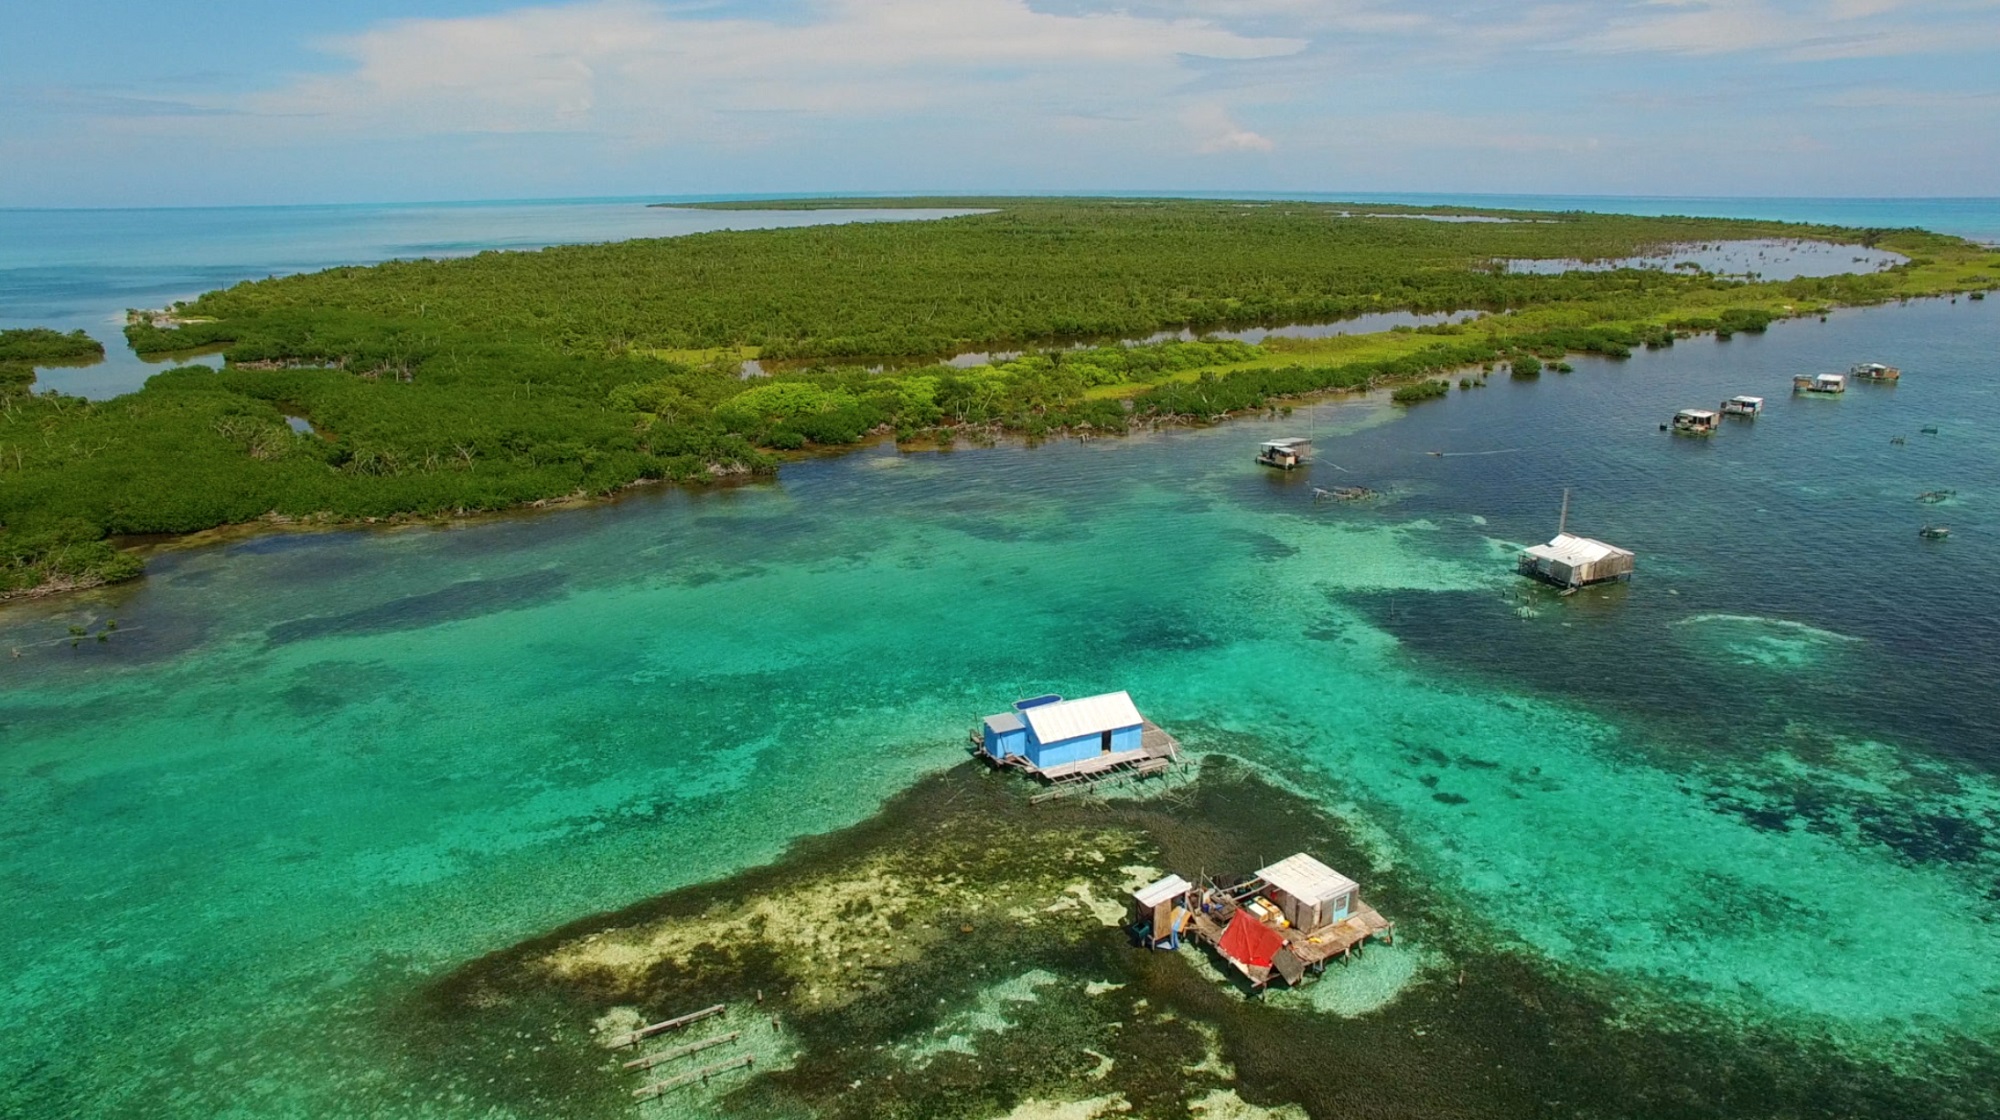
[{"x": 1563, "y": 525}]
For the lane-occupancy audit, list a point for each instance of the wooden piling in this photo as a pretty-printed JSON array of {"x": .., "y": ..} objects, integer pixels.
[
  {"x": 646, "y": 1032},
  {"x": 660, "y": 1088},
  {"x": 665, "y": 1056}
]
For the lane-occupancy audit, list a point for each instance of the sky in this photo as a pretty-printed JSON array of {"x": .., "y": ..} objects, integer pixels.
[{"x": 130, "y": 103}]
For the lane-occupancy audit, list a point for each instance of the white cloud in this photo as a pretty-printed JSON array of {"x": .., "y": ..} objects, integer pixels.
[
  {"x": 1215, "y": 131},
  {"x": 654, "y": 74}
]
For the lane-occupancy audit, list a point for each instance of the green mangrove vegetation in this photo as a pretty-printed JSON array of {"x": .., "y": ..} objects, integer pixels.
[
  {"x": 22, "y": 350},
  {"x": 447, "y": 387}
]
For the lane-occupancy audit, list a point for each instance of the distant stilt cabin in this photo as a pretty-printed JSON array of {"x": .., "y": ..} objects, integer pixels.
[
  {"x": 1062, "y": 740},
  {"x": 1822, "y": 383},
  {"x": 1876, "y": 371},
  {"x": 1573, "y": 561},
  {"x": 1570, "y": 561},
  {"x": 1743, "y": 406},
  {"x": 1285, "y": 454},
  {"x": 1696, "y": 421}
]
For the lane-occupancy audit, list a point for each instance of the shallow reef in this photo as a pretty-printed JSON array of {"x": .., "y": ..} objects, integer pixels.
[{"x": 959, "y": 955}]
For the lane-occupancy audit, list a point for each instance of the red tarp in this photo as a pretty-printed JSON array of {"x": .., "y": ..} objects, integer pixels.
[{"x": 1250, "y": 941}]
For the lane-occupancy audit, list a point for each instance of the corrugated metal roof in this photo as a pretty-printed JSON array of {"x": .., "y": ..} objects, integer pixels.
[
  {"x": 1702, "y": 412},
  {"x": 1089, "y": 715},
  {"x": 1569, "y": 549},
  {"x": 1003, "y": 723},
  {"x": 1287, "y": 444},
  {"x": 1163, "y": 890},
  {"x": 1307, "y": 879},
  {"x": 1742, "y": 399}
]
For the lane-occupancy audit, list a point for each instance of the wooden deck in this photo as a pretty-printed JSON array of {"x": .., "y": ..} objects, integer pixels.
[
  {"x": 1310, "y": 948},
  {"x": 1157, "y": 751}
]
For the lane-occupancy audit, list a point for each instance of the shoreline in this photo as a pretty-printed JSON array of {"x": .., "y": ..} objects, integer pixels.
[
  {"x": 143, "y": 547},
  {"x": 683, "y": 421}
]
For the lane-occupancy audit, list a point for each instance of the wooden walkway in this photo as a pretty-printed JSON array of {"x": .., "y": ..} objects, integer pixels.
[
  {"x": 1158, "y": 751},
  {"x": 1308, "y": 948}
]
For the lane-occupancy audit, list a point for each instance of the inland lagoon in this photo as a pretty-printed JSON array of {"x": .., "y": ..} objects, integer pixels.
[{"x": 400, "y": 822}]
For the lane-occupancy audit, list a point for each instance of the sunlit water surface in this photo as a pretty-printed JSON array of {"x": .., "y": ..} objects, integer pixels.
[{"x": 306, "y": 773}]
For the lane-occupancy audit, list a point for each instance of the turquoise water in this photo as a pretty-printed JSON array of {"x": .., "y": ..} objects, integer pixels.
[{"x": 1757, "y": 789}]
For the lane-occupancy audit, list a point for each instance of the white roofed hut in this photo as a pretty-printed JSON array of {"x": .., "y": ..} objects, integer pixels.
[
  {"x": 1070, "y": 741},
  {"x": 1285, "y": 454},
  {"x": 1569, "y": 561},
  {"x": 1287, "y": 922},
  {"x": 1743, "y": 405},
  {"x": 1696, "y": 421}
]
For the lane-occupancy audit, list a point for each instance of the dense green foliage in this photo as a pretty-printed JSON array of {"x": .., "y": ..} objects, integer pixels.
[
  {"x": 437, "y": 387},
  {"x": 22, "y": 350},
  {"x": 1036, "y": 271},
  {"x": 1419, "y": 391}
]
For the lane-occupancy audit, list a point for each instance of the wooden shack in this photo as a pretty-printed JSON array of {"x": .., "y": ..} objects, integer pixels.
[
  {"x": 1285, "y": 454},
  {"x": 1287, "y": 922},
  {"x": 1570, "y": 561},
  {"x": 1696, "y": 421},
  {"x": 1060, "y": 740},
  {"x": 1160, "y": 912}
]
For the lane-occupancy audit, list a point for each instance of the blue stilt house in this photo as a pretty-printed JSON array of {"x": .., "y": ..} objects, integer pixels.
[{"x": 1057, "y": 738}]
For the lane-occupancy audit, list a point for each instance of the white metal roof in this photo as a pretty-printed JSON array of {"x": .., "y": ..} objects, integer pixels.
[
  {"x": 1570, "y": 549},
  {"x": 1832, "y": 377},
  {"x": 1742, "y": 399},
  {"x": 1287, "y": 443},
  {"x": 1089, "y": 715},
  {"x": 1307, "y": 879},
  {"x": 1163, "y": 890},
  {"x": 1003, "y": 723},
  {"x": 1697, "y": 412}
]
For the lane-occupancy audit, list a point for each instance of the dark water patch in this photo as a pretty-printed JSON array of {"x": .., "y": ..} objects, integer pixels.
[
  {"x": 326, "y": 687},
  {"x": 1262, "y": 546},
  {"x": 1483, "y": 1032},
  {"x": 465, "y": 599},
  {"x": 281, "y": 543}
]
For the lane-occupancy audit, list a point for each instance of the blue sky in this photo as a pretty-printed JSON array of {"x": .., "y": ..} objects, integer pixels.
[{"x": 115, "y": 102}]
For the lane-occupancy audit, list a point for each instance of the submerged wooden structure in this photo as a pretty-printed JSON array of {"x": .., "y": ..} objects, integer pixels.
[
  {"x": 1284, "y": 923},
  {"x": 1070, "y": 743},
  {"x": 1569, "y": 561},
  {"x": 1285, "y": 454},
  {"x": 664, "y": 1058}
]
